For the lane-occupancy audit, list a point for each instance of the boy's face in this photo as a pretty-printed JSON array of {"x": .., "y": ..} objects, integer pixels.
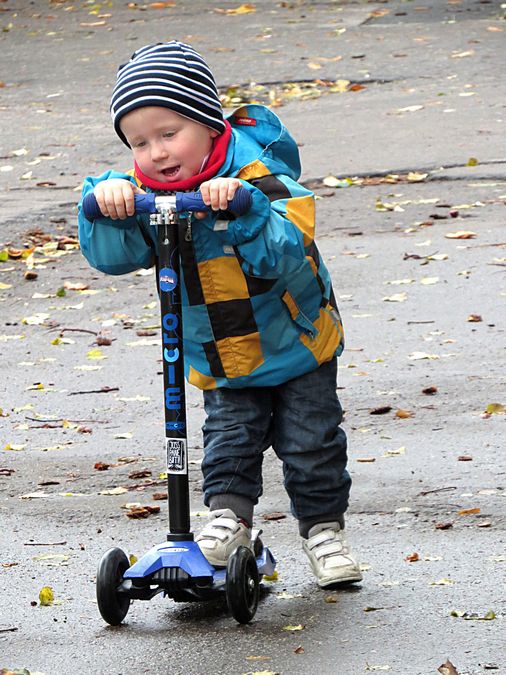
[{"x": 166, "y": 146}]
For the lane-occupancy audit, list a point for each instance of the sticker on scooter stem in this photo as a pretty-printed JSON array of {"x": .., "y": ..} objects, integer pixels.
[
  {"x": 176, "y": 456},
  {"x": 175, "y": 426},
  {"x": 168, "y": 279}
]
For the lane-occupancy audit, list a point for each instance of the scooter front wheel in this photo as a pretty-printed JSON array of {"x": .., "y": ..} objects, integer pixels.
[
  {"x": 112, "y": 604},
  {"x": 242, "y": 584}
]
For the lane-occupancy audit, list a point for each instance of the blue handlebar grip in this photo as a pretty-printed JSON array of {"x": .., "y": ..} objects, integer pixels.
[
  {"x": 192, "y": 201},
  {"x": 143, "y": 204}
]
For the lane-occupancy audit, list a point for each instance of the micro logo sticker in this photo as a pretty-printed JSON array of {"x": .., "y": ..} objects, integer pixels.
[
  {"x": 175, "y": 426},
  {"x": 168, "y": 279}
]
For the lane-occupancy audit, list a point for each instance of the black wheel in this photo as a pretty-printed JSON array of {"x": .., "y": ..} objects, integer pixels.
[
  {"x": 113, "y": 606},
  {"x": 242, "y": 584}
]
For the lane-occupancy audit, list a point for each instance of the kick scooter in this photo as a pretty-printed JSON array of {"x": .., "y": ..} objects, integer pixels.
[{"x": 177, "y": 568}]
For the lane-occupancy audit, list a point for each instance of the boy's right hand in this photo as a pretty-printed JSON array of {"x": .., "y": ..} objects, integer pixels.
[{"x": 115, "y": 198}]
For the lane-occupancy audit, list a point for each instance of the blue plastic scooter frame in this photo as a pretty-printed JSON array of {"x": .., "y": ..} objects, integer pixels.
[{"x": 176, "y": 567}]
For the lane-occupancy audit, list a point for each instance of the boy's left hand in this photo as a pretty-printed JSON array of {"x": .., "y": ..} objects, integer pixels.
[{"x": 217, "y": 192}]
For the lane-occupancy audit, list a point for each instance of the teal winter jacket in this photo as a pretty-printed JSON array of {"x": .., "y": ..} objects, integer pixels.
[{"x": 258, "y": 306}]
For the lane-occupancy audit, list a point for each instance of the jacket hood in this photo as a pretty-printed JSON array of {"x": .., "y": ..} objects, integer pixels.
[{"x": 259, "y": 135}]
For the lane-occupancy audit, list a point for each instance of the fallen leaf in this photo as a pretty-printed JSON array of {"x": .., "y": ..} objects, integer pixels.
[
  {"x": 366, "y": 459},
  {"x": 429, "y": 391},
  {"x": 142, "y": 511},
  {"x": 447, "y": 668},
  {"x": 114, "y": 491},
  {"x": 289, "y": 628},
  {"x": 413, "y": 557},
  {"x": 46, "y": 596},
  {"x": 95, "y": 354},
  {"x": 474, "y": 318},
  {"x": 410, "y": 108},
  {"x": 469, "y": 512},
  {"x": 404, "y": 414},
  {"x": 245, "y": 8},
  {"x": 276, "y": 515},
  {"x": 472, "y": 161},
  {"x": 382, "y": 410},
  {"x": 443, "y": 526},
  {"x": 75, "y": 285},
  {"x": 464, "y": 458},
  {"x": 442, "y": 582},
  {"x": 494, "y": 408},
  {"x": 396, "y": 297},
  {"x": 299, "y": 650},
  {"x": 417, "y": 356},
  {"x": 461, "y": 234},
  {"x": 395, "y": 453}
]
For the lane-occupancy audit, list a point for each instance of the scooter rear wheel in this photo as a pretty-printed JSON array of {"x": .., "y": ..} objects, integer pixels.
[
  {"x": 113, "y": 606},
  {"x": 242, "y": 584}
]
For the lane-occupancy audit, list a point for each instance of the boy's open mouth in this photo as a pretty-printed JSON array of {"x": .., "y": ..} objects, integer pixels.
[{"x": 171, "y": 171}]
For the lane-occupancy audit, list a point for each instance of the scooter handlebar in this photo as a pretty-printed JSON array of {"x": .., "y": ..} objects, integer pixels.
[{"x": 184, "y": 201}]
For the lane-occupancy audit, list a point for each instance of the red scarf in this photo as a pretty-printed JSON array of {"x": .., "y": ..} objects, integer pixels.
[{"x": 214, "y": 163}]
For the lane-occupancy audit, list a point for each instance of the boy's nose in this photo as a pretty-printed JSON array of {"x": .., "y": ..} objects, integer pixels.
[{"x": 158, "y": 152}]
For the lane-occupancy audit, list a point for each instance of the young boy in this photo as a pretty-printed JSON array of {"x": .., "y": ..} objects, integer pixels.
[{"x": 262, "y": 330}]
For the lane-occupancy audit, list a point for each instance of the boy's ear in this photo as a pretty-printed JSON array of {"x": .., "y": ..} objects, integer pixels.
[{"x": 213, "y": 133}]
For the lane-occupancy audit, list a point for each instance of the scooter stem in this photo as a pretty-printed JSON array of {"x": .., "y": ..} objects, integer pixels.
[{"x": 169, "y": 281}]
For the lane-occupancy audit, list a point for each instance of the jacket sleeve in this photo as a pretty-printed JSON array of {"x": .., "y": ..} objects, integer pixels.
[{"x": 114, "y": 246}]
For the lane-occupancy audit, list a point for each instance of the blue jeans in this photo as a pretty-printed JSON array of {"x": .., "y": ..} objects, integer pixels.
[{"x": 301, "y": 420}]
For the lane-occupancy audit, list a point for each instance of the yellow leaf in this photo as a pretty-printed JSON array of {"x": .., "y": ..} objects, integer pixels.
[
  {"x": 472, "y": 161},
  {"x": 46, "y": 596},
  {"x": 340, "y": 86},
  {"x": 132, "y": 559},
  {"x": 415, "y": 177},
  {"x": 271, "y": 577},
  {"x": 95, "y": 354},
  {"x": 442, "y": 582},
  {"x": 314, "y": 66},
  {"x": 245, "y": 8},
  {"x": 4, "y": 287},
  {"x": 299, "y": 626},
  {"x": 493, "y": 408},
  {"x": 35, "y": 387},
  {"x": 429, "y": 281},
  {"x": 12, "y": 446}
]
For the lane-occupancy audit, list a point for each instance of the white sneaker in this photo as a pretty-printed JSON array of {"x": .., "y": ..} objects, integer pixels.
[
  {"x": 222, "y": 535},
  {"x": 330, "y": 555}
]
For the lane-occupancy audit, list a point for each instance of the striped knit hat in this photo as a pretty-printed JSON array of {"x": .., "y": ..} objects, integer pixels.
[{"x": 172, "y": 75}]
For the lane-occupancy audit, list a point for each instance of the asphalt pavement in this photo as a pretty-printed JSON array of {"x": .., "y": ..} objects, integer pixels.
[{"x": 399, "y": 111}]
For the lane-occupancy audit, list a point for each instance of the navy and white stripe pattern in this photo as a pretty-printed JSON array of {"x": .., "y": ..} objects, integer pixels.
[{"x": 168, "y": 74}]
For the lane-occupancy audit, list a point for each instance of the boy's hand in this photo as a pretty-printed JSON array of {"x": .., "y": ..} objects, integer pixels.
[
  {"x": 115, "y": 198},
  {"x": 217, "y": 192}
]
